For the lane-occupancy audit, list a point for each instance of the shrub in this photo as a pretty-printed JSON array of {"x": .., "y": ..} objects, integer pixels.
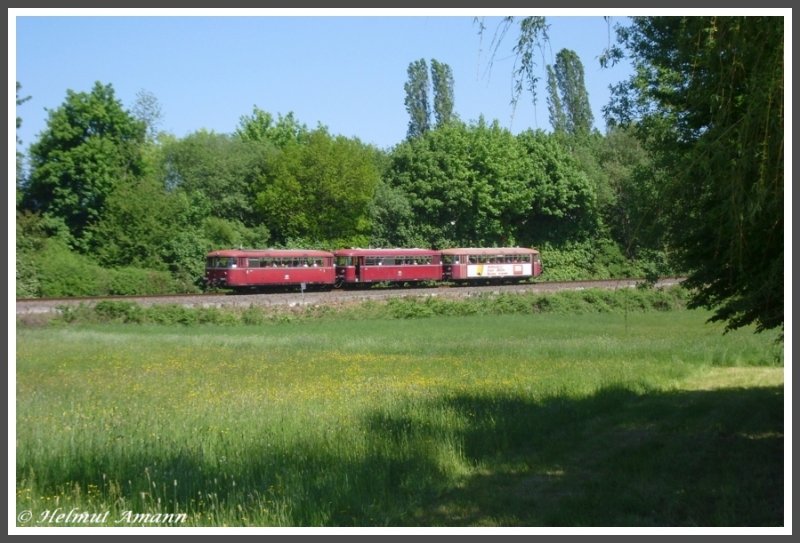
[
  {"x": 253, "y": 315},
  {"x": 118, "y": 311}
]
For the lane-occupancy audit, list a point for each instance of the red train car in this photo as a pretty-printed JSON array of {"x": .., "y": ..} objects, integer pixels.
[
  {"x": 251, "y": 268},
  {"x": 491, "y": 264},
  {"x": 365, "y": 266}
]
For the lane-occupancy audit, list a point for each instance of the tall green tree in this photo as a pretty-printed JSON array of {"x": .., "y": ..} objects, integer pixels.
[
  {"x": 563, "y": 200},
  {"x": 443, "y": 94},
  {"x": 417, "y": 101},
  {"x": 558, "y": 119},
  {"x": 632, "y": 205},
  {"x": 318, "y": 191},
  {"x": 574, "y": 98},
  {"x": 91, "y": 145},
  {"x": 708, "y": 92},
  {"x": 466, "y": 185}
]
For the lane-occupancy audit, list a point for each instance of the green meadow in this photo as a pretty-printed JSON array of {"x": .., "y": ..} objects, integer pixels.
[{"x": 650, "y": 418}]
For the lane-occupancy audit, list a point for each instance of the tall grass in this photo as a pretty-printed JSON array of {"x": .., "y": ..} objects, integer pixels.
[{"x": 532, "y": 420}]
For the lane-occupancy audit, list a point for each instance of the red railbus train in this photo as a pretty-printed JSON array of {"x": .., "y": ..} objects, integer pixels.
[
  {"x": 250, "y": 268},
  {"x": 242, "y": 269},
  {"x": 488, "y": 264},
  {"x": 364, "y": 266}
]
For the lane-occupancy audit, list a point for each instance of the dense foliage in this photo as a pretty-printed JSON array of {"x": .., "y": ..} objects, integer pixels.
[{"x": 707, "y": 98}]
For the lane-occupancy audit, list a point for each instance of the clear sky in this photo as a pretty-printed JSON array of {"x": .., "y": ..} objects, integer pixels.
[{"x": 345, "y": 72}]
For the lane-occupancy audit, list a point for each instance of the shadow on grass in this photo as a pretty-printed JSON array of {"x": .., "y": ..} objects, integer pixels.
[{"x": 619, "y": 457}]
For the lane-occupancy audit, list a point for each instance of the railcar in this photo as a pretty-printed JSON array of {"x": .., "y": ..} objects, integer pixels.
[
  {"x": 369, "y": 266},
  {"x": 246, "y": 269},
  {"x": 251, "y": 268},
  {"x": 495, "y": 264}
]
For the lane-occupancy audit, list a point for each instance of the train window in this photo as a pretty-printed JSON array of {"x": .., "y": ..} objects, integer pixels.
[
  {"x": 221, "y": 262},
  {"x": 344, "y": 261}
]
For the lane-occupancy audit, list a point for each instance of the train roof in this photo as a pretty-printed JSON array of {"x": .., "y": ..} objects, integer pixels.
[
  {"x": 266, "y": 253},
  {"x": 489, "y": 251},
  {"x": 386, "y": 252}
]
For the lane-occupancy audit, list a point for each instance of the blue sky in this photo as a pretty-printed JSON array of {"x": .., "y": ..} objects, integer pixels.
[{"x": 346, "y": 73}]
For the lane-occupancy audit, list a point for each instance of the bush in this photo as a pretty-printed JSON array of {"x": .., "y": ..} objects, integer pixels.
[
  {"x": 57, "y": 271},
  {"x": 601, "y": 259},
  {"x": 253, "y": 315},
  {"x": 119, "y": 311},
  {"x": 64, "y": 273}
]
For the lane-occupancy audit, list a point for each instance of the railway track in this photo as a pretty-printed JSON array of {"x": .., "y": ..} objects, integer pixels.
[{"x": 49, "y": 305}]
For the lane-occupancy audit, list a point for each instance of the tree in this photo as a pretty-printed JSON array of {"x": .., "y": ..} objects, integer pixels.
[
  {"x": 138, "y": 221},
  {"x": 318, "y": 191},
  {"x": 261, "y": 126},
  {"x": 417, "y": 103},
  {"x": 147, "y": 110},
  {"x": 90, "y": 146},
  {"x": 443, "y": 98},
  {"x": 392, "y": 217},
  {"x": 563, "y": 200},
  {"x": 20, "y": 167},
  {"x": 216, "y": 171},
  {"x": 632, "y": 205},
  {"x": 466, "y": 185},
  {"x": 558, "y": 119},
  {"x": 707, "y": 95},
  {"x": 20, "y": 101},
  {"x": 577, "y": 112}
]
